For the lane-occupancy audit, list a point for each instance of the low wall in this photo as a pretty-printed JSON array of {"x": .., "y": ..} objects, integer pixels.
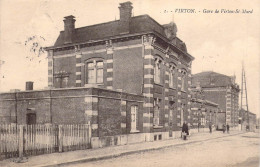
[{"x": 117, "y": 140}]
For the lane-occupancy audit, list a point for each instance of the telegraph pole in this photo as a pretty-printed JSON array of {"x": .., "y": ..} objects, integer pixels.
[{"x": 244, "y": 96}]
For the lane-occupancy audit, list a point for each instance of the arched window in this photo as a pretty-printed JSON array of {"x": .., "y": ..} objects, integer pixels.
[
  {"x": 157, "y": 70},
  {"x": 171, "y": 75},
  {"x": 94, "y": 71},
  {"x": 183, "y": 79}
]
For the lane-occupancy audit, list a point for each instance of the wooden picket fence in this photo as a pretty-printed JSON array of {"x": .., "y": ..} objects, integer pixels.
[{"x": 27, "y": 140}]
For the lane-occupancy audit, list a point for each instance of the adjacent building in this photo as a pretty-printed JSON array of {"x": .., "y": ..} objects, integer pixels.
[
  {"x": 128, "y": 76},
  {"x": 248, "y": 120},
  {"x": 204, "y": 112},
  {"x": 223, "y": 90}
]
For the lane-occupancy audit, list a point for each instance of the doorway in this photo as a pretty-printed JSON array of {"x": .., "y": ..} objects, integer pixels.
[{"x": 31, "y": 118}]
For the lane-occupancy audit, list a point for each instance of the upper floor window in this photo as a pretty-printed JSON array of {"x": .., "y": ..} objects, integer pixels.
[
  {"x": 134, "y": 118},
  {"x": 183, "y": 80},
  {"x": 94, "y": 72},
  {"x": 171, "y": 76},
  {"x": 157, "y": 70},
  {"x": 62, "y": 78}
]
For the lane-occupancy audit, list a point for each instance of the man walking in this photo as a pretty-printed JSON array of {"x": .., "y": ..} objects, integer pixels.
[
  {"x": 185, "y": 130},
  {"x": 227, "y": 128},
  {"x": 224, "y": 128},
  {"x": 210, "y": 127}
]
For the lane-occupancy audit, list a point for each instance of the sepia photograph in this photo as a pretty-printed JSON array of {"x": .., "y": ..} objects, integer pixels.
[{"x": 129, "y": 83}]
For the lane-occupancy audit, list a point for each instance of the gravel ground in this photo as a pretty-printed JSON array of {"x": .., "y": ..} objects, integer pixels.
[{"x": 240, "y": 150}]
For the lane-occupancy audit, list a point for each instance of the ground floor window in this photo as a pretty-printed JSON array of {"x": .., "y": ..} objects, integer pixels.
[
  {"x": 156, "y": 114},
  {"x": 134, "y": 118},
  {"x": 182, "y": 114}
]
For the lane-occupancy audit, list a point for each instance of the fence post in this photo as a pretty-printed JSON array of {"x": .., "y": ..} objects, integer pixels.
[
  {"x": 21, "y": 140},
  {"x": 60, "y": 142}
]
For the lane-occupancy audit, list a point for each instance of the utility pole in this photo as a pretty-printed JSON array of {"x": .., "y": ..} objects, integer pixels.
[{"x": 244, "y": 96}]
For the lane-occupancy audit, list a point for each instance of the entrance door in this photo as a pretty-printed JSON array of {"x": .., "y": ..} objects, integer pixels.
[{"x": 31, "y": 118}]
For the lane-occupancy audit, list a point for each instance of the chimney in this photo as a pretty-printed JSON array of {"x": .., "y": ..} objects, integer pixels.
[
  {"x": 69, "y": 27},
  {"x": 125, "y": 16},
  {"x": 29, "y": 85}
]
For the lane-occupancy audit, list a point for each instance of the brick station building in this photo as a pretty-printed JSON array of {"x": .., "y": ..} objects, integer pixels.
[
  {"x": 223, "y": 90},
  {"x": 127, "y": 77}
]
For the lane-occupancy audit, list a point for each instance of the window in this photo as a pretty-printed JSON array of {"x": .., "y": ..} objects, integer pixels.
[
  {"x": 62, "y": 78},
  {"x": 157, "y": 70},
  {"x": 94, "y": 72},
  {"x": 182, "y": 111},
  {"x": 31, "y": 118},
  {"x": 171, "y": 76},
  {"x": 183, "y": 78},
  {"x": 203, "y": 121},
  {"x": 100, "y": 72},
  {"x": 156, "y": 115},
  {"x": 134, "y": 118}
]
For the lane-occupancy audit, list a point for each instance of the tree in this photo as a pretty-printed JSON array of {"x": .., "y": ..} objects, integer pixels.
[{"x": 35, "y": 44}]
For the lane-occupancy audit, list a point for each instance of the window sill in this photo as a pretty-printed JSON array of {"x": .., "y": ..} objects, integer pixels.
[
  {"x": 183, "y": 91},
  {"x": 93, "y": 85},
  {"x": 134, "y": 131},
  {"x": 157, "y": 127},
  {"x": 158, "y": 84},
  {"x": 172, "y": 88}
]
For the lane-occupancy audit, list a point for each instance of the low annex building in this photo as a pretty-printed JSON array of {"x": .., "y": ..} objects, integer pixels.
[
  {"x": 247, "y": 120},
  {"x": 204, "y": 112},
  {"x": 129, "y": 77}
]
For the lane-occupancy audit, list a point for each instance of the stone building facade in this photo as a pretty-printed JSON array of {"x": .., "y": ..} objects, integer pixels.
[{"x": 223, "y": 90}]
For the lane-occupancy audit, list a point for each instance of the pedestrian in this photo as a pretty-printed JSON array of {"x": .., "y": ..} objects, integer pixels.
[
  {"x": 224, "y": 128},
  {"x": 227, "y": 128},
  {"x": 210, "y": 127},
  {"x": 185, "y": 130}
]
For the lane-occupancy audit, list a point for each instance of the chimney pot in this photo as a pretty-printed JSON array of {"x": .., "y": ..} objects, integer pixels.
[
  {"x": 125, "y": 16},
  {"x": 29, "y": 85}
]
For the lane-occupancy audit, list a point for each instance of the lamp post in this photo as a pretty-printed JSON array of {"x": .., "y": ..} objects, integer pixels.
[{"x": 198, "y": 113}]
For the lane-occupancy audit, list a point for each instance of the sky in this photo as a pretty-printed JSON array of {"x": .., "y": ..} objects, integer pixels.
[{"x": 218, "y": 41}]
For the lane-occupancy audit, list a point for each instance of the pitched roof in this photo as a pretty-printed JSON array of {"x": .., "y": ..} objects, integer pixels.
[
  {"x": 211, "y": 79},
  {"x": 138, "y": 24}
]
